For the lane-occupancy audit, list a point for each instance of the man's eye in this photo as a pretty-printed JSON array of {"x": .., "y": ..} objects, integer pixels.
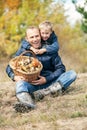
[
  {"x": 37, "y": 36},
  {"x": 31, "y": 37}
]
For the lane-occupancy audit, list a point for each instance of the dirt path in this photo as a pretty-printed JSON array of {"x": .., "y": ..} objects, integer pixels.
[{"x": 67, "y": 112}]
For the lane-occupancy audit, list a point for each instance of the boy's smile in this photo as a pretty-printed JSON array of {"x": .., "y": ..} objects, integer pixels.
[{"x": 45, "y": 34}]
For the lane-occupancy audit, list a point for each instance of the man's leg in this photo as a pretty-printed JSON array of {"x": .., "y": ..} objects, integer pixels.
[
  {"x": 24, "y": 97},
  {"x": 62, "y": 83},
  {"x": 54, "y": 89},
  {"x": 24, "y": 93},
  {"x": 67, "y": 78}
]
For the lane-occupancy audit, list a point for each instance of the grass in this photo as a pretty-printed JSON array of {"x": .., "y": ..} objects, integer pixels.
[
  {"x": 78, "y": 114},
  {"x": 50, "y": 114}
]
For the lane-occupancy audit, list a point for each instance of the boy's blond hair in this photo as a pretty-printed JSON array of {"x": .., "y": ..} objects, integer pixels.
[{"x": 46, "y": 25}]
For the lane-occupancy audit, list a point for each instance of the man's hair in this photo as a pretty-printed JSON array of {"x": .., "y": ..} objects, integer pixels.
[
  {"x": 31, "y": 27},
  {"x": 46, "y": 25}
]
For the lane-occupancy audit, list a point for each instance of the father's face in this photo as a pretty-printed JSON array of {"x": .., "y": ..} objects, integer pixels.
[{"x": 34, "y": 38}]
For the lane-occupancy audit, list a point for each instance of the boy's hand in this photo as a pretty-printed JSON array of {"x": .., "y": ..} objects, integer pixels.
[
  {"x": 34, "y": 50},
  {"x": 41, "y": 51},
  {"x": 38, "y": 51}
]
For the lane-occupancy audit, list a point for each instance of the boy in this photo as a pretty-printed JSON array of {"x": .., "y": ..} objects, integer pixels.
[{"x": 48, "y": 40}]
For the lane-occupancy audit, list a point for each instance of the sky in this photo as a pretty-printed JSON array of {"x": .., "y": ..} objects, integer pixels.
[{"x": 70, "y": 10}]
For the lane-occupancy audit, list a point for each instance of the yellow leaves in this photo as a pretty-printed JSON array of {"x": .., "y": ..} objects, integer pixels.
[
  {"x": 16, "y": 38},
  {"x": 7, "y": 41},
  {"x": 1, "y": 25},
  {"x": 11, "y": 47},
  {"x": 12, "y": 4}
]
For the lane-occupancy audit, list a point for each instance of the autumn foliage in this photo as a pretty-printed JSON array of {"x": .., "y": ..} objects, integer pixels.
[
  {"x": 12, "y": 4},
  {"x": 17, "y": 15}
]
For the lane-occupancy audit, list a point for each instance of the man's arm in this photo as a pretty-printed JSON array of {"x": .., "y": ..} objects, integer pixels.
[
  {"x": 59, "y": 68},
  {"x": 10, "y": 72}
]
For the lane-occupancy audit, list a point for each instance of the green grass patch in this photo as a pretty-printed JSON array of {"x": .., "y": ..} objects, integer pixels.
[{"x": 78, "y": 114}]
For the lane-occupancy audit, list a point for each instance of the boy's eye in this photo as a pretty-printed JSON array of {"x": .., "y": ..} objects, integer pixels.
[
  {"x": 47, "y": 33},
  {"x": 44, "y": 33}
]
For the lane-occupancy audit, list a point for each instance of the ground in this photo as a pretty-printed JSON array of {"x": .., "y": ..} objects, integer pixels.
[{"x": 66, "y": 112}]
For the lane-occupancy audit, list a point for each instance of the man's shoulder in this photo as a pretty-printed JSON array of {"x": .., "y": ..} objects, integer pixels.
[{"x": 24, "y": 41}]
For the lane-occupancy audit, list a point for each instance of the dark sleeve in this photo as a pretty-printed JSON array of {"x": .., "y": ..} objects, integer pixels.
[
  {"x": 25, "y": 44},
  {"x": 53, "y": 46},
  {"x": 23, "y": 47},
  {"x": 10, "y": 72},
  {"x": 58, "y": 67}
]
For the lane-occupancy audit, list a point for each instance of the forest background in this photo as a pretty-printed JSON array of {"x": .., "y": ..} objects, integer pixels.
[
  {"x": 16, "y": 16},
  {"x": 66, "y": 112}
]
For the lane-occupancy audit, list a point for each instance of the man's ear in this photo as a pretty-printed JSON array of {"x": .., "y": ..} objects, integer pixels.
[{"x": 26, "y": 38}]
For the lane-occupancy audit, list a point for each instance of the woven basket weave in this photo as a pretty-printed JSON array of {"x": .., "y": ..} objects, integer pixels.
[{"x": 29, "y": 76}]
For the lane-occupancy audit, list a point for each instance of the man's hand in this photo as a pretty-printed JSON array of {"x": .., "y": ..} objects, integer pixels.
[
  {"x": 18, "y": 78},
  {"x": 40, "y": 81}
]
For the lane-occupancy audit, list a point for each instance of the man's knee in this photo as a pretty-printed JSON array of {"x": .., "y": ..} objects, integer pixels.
[{"x": 73, "y": 75}]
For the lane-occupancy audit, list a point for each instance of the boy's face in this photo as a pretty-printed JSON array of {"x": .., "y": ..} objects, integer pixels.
[
  {"x": 45, "y": 34},
  {"x": 34, "y": 38}
]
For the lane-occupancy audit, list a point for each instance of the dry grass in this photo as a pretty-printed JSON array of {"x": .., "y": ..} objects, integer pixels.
[{"x": 67, "y": 112}]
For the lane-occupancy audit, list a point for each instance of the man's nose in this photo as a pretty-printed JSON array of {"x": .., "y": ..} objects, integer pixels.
[{"x": 35, "y": 38}]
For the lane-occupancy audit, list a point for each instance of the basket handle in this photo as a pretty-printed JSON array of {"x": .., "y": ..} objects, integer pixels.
[{"x": 29, "y": 51}]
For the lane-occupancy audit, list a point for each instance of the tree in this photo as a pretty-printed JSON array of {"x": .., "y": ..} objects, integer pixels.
[
  {"x": 20, "y": 14},
  {"x": 12, "y": 4},
  {"x": 83, "y": 12}
]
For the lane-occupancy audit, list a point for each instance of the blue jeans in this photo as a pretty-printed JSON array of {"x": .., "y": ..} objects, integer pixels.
[{"x": 65, "y": 80}]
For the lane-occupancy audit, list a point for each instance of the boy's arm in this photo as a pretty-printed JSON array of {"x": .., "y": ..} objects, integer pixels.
[
  {"x": 25, "y": 44},
  {"x": 53, "y": 46},
  {"x": 36, "y": 51}
]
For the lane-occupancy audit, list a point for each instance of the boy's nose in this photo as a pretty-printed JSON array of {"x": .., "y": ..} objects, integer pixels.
[{"x": 44, "y": 35}]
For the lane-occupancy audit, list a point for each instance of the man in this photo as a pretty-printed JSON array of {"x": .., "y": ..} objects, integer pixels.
[{"x": 53, "y": 77}]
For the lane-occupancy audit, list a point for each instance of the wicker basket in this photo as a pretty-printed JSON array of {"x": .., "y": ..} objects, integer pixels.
[{"x": 30, "y": 76}]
